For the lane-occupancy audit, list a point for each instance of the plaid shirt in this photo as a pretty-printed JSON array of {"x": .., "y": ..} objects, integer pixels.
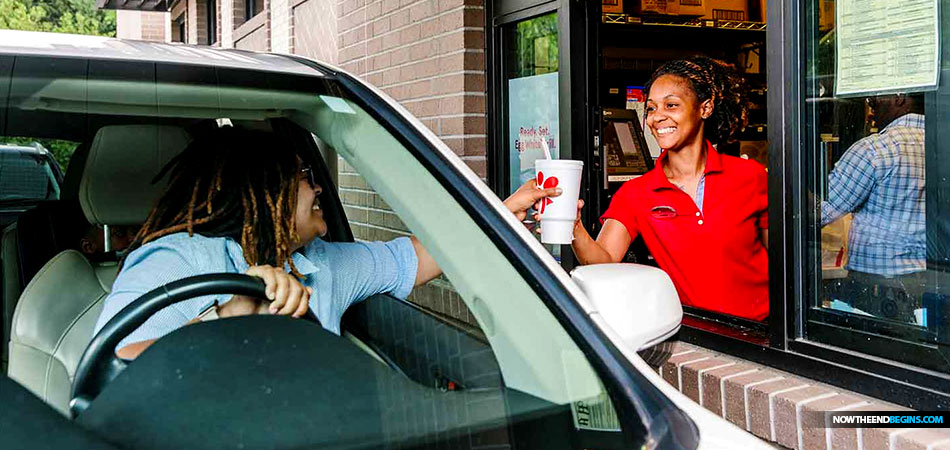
[{"x": 881, "y": 180}]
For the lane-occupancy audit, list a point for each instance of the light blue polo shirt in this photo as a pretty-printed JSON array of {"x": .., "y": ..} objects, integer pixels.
[{"x": 340, "y": 273}]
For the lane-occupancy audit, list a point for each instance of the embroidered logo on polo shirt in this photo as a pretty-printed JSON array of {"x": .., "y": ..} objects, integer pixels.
[{"x": 663, "y": 212}]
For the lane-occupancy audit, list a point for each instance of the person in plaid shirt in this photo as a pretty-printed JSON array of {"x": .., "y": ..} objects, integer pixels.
[{"x": 880, "y": 179}]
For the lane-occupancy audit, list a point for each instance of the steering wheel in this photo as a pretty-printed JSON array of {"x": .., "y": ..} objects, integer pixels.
[{"x": 99, "y": 365}]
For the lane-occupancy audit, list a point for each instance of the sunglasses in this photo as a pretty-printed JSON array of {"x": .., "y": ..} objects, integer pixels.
[{"x": 310, "y": 178}]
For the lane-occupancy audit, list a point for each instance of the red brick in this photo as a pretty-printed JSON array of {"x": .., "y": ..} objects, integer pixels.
[
  {"x": 374, "y": 46},
  {"x": 671, "y": 371},
  {"x": 452, "y": 21},
  {"x": 447, "y": 5},
  {"x": 432, "y": 125},
  {"x": 399, "y": 19},
  {"x": 408, "y": 35},
  {"x": 736, "y": 392},
  {"x": 846, "y": 438},
  {"x": 389, "y": 6},
  {"x": 814, "y": 433},
  {"x": 786, "y": 418},
  {"x": 479, "y": 166},
  {"x": 423, "y": 108},
  {"x": 422, "y": 10},
  {"x": 430, "y": 28},
  {"x": 760, "y": 408},
  {"x": 462, "y": 61},
  {"x": 880, "y": 438},
  {"x": 462, "y": 125},
  {"x": 474, "y": 18},
  {"x": 466, "y": 145},
  {"x": 923, "y": 439},
  {"x": 712, "y": 384},
  {"x": 474, "y": 104},
  {"x": 423, "y": 50},
  {"x": 381, "y": 26},
  {"x": 690, "y": 373}
]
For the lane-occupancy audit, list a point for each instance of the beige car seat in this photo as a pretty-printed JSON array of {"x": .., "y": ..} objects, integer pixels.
[{"x": 56, "y": 314}]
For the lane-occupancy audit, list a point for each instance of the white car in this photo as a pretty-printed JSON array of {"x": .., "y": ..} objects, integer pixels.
[{"x": 549, "y": 360}]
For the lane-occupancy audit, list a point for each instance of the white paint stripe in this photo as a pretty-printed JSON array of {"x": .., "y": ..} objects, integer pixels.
[
  {"x": 682, "y": 353},
  {"x": 679, "y": 371},
  {"x": 828, "y": 430},
  {"x": 699, "y": 378},
  {"x": 722, "y": 389},
  {"x": 772, "y": 407},
  {"x": 745, "y": 397},
  {"x": 798, "y": 415},
  {"x": 934, "y": 445}
]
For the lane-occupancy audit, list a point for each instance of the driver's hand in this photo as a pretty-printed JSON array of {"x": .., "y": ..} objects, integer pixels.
[{"x": 286, "y": 294}]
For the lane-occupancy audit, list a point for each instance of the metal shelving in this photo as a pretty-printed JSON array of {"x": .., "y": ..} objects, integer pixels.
[{"x": 682, "y": 21}]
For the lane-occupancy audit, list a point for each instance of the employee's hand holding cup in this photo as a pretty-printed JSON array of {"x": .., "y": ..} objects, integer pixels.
[{"x": 558, "y": 215}]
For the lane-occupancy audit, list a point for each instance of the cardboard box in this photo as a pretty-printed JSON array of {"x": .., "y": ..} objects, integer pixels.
[
  {"x": 667, "y": 7},
  {"x": 727, "y": 10},
  {"x": 612, "y": 6},
  {"x": 692, "y": 7}
]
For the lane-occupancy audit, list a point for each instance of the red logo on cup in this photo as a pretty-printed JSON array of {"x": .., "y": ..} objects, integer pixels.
[{"x": 545, "y": 184}]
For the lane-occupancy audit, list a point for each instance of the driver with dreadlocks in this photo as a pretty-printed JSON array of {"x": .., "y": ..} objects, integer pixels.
[{"x": 227, "y": 209}]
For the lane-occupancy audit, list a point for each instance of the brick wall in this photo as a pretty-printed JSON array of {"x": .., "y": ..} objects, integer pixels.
[
  {"x": 280, "y": 26},
  {"x": 201, "y": 19},
  {"x": 771, "y": 404},
  {"x": 179, "y": 9},
  {"x": 142, "y": 25},
  {"x": 314, "y": 30},
  {"x": 429, "y": 55}
]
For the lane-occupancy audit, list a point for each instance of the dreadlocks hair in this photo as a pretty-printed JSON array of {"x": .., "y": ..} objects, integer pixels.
[
  {"x": 711, "y": 79},
  {"x": 225, "y": 185}
]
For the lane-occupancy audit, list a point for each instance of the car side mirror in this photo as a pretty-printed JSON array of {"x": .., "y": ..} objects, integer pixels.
[{"x": 639, "y": 302}]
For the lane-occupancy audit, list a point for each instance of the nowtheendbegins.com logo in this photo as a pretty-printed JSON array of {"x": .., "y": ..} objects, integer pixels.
[{"x": 878, "y": 419}]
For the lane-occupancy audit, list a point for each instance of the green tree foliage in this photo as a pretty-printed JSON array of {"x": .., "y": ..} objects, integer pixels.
[
  {"x": 59, "y": 16},
  {"x": 61, "y": 150},
  {"x": 536, "y": 46}
]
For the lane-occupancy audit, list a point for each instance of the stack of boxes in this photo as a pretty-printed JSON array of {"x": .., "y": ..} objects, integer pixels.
[{"x": 706, "y": 9}]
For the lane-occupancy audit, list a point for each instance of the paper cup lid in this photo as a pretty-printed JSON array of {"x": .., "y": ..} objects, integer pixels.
[{"x": 560, "y": 162}]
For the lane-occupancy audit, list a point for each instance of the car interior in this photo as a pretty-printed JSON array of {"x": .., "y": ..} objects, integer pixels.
[{"x": 413, "y": 377}]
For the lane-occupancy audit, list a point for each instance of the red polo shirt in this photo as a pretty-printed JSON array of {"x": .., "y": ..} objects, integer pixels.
[{"x": 714, "y": 256}]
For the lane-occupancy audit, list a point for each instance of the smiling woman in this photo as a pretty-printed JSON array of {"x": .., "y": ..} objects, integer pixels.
[{"x": 702, "y": 214}]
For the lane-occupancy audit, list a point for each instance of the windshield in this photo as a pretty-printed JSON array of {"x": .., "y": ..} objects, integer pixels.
[{"x": 479, "y": 333}]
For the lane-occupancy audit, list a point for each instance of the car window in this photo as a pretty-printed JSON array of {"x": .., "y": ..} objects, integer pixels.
[
  {"x": 533, "y": 351},
  {"x": 28, "y": 170},
  {"x": 481, "y": 327}
]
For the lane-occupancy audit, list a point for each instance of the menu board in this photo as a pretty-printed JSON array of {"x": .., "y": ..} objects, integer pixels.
[{"x": 886, "y": 46}]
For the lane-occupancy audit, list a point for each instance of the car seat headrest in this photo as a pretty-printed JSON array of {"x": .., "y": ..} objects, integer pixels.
[{"x": 116, "y": 186}]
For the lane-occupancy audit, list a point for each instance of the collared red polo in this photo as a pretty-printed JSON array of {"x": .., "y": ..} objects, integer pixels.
[{"x": 715, "y": 256}]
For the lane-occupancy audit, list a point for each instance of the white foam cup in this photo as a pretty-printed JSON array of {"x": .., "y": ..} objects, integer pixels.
[{"x": 558, "y": 213}]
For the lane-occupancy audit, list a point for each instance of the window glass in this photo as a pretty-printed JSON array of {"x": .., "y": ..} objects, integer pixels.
[
  {"x": 877, "y": 183},
  {"x": 531, "y": 55},
  {"x": 31, "y": 169},
  {"x": 517, "y": 372}
]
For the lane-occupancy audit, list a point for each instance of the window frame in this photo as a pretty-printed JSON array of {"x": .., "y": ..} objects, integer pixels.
[
  {"x": 211, "y": 7},
  {"x": 788, "y": 349}
]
